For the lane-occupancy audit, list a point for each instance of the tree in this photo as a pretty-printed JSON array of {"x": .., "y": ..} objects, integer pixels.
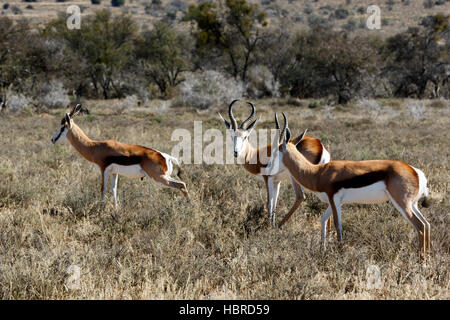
[
  {"x": 277, "y": 53},
  {"x": 164, "y": 54},
  {"x": 330, "y": 62},
  {"x": 105, "y": 43},
  {"x": 419, "y": 56},
  {"x": 233, "y": 27}
]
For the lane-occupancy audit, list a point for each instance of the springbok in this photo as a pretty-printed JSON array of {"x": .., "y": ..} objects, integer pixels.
[
  {"x": 254, "y": 160},
  {"x": 115, "y": 158},
  {"x": 369, "y": 181}
]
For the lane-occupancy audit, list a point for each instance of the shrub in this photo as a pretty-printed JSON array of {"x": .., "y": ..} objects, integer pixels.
[
  {"x": 350, "y": 25},
  {"x": 16, "y": 10},
  {"x": 438, "y": 104},
  {"x": 308, "y": 10},
  {"x": 416, "y": 109},
  {"x": 314, "y": 104},
  {"x": 17, "y": 102},
  {"x": 209, "y": 88},
  {"x": 341, "y": 13},
  {"x": 171, "y": 15},
  {"x": 261, "y": 83},
  {"x": 5, "y": 6},
  {"x": 96, "y": 1},
  {"x": 315, "y": 21},
  {"x": 29, "y": 7},
  {"x": 131, "y": 101},
  {"x": 117, "y": 3},
  {"x": 372, "y": 108},
  {"x": 427, "y": 4},
  {"x": 53, "y": 95}
]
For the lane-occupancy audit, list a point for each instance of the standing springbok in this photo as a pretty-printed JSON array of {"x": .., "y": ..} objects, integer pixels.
[
  {"x": 254, "y": 160},
  {"x": 114, "y": 158},
  {"x": 370, "y": 181}
]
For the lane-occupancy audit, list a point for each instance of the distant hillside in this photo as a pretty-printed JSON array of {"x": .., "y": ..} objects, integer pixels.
[{"x": 397, "y": 15}]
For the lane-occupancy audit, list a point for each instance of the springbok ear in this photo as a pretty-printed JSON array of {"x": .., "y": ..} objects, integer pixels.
[
  {"x": 252, "y": 125},
  {"x": 297, "y": 140},
  {"x": 84, "y": 110},
  {"x": 227, "y": 124},
  {"x": 286, "y": 139}
]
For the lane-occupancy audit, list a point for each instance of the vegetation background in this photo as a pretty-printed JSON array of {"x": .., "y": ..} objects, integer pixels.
[{"x": 146, "y": 68}]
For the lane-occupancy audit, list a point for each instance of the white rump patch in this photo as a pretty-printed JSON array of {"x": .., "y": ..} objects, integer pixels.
[
  {"x": 325, "y": 156},
  {"x": 423, "y": 189}
]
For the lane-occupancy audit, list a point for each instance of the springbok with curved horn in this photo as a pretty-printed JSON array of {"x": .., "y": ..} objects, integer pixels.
[
  {"x": 369, "y": 181},
  {"x": 115, "y": 158},
  {"x": 254, "y": 160}
]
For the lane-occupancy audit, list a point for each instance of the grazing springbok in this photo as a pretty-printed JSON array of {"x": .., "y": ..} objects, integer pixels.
[
  {"x": 115, "y": 158},
  {"x": 254, "y": 160},
  {"x": 369, "y": 181}
]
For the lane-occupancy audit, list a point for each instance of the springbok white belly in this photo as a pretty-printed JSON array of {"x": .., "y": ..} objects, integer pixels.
[
  {"x": 374, "y": 193},
  {"x": 133, "y": 171}
]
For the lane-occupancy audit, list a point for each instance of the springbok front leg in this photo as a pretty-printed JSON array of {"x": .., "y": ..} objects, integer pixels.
[
  {"x": 326, "y": 218},
  {"x": 335, "y": 205},
  {"x": 269, "y": 189},
  {"x": 299, "y": 198},
  {"x": 276, "y": 192},
  {"x": 105, "y": 176},
  {"x": 114, "y": 180},
  {"x": 273, "y": 189}
]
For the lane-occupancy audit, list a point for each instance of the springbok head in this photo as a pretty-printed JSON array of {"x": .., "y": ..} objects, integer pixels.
[
  {"x": 240, "y": 134},
  {"x": 285, "y": 135},
  {"x": 66, "y": 124}
]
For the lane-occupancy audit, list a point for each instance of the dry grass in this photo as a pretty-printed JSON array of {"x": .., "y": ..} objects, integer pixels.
[{"x": 219, "y": 246}]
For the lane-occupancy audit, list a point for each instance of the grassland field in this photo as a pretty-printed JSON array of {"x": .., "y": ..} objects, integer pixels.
[{"x": 219, "y": 246}]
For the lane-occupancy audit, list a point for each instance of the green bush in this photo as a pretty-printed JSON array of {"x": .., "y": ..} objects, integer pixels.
[
  {"x": 341, "y": 13},
  {"x": 117, "y": 3}
]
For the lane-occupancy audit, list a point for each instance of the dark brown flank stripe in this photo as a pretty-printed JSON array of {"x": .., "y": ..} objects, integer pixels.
[
  {"x": 360, "y": 181},
  {"x": 123, "y": 160}
]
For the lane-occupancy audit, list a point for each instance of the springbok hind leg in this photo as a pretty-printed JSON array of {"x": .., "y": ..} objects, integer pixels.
[
  {"x": 173, "y": 183},
  {"x": 408, "y": 213},
  {"x": 427, "y": 231}
]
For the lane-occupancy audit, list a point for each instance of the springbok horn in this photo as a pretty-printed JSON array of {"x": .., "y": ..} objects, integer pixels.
[
  {"x": 277, "y": 125},
  {"x": 252, "y": 114},
  {"x": 75, "y": 110},
  {"x": 230, "y": 114},
  {"x": 285, "y": 126}
]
